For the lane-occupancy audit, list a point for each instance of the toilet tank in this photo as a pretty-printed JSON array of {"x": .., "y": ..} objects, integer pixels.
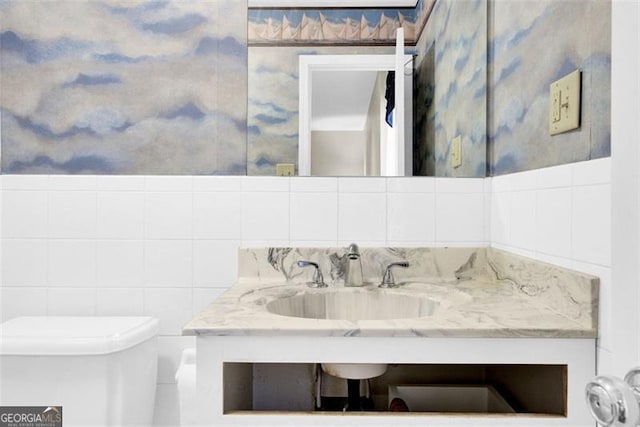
[{"x": 101, "y": 370}]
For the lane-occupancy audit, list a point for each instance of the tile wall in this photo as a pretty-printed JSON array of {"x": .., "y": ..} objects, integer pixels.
[
  {"x": 560, "y": 215},
  {"x": 166, "y": 246}
]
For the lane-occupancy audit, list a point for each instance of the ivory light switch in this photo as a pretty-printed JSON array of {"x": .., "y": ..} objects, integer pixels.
[{"x": 564, "y": 104}]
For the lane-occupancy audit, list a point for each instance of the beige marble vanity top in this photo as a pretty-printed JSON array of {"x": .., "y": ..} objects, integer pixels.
[{"x": 476, "y": 292}]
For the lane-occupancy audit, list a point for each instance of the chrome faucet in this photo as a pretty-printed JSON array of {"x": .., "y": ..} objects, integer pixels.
[
  {"x": 387, "y": 280},
  {"x": 318, "y": 280},
  {"x": 353, "y": 267}
]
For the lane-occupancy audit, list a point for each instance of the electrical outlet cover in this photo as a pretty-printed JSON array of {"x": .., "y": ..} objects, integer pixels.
[{"x": 285, "y": 169}]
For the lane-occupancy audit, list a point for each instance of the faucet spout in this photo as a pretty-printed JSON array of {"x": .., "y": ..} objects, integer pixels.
[{"x": 353, "y": 267}]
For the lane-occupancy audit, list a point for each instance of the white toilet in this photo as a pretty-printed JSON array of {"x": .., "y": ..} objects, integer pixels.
[{"x": 101, "y": 370}]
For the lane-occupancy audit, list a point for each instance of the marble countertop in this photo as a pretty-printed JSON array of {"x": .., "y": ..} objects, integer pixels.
[{"x": 475, "y": 292}]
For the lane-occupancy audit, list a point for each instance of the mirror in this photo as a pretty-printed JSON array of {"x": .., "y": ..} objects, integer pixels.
[{"x": 449, "y": 84}]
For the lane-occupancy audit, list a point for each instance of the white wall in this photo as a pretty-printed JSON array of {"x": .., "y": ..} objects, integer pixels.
[
  {"x": 338, "y": 153},
  {"x": 625, "y": 151},
  {"x": 167, "y": 246},
  {"x": 561, "y": 215}
]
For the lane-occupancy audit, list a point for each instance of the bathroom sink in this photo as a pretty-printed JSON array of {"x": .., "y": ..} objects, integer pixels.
[{"x": 353, "y": 305}]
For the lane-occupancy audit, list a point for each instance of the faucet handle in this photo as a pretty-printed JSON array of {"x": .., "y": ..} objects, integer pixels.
[
  {"x": 387, "y": 280},
  {"x": 318, "y": 280}
]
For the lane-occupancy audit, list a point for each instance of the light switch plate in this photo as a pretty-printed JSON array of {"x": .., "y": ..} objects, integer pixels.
[
  {"x": 564, "y": 104},
  {"x": 456, "y": 152},
  {"x": 285, "y": 169}
]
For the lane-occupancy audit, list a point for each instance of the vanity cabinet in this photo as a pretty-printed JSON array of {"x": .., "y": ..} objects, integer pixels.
[
  {"x": 460, "y": 316},
  {"x": 542, "y": 379}
]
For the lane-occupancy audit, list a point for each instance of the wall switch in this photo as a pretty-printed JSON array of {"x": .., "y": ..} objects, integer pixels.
[
  {"x": 456, "y": 152},
  {"x": 564, "y": 104},
  {"x": 285, "y": 169}
]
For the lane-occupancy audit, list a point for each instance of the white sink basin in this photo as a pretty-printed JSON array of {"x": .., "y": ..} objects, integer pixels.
[{"x": 354, "y": 305}]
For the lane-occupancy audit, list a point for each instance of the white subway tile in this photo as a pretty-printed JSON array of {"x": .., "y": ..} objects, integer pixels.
[
  {"x": 265, "y": 216},
  {"x": 24, "y": 262},
  {"x": 313, "y": 243},
  {"x": 72, "y": 214},
  {"x": 265, "y": 184},
  {"x": 591, "y": 222},
  {"x": 314, "y": 216},
  {"x": 121, "y": 215},
  {"x": 24, "y": 214},
  {"x": 516, "y": 250},
  {"x": 362, "y": 243},
  {"x": 274, "y": 243},
  {"x": 362, "y": 217},
  {"x": 362, "y": 185},
  {"x": 71, "y": 302},
  {"x": 202, "y": 297},
  {"x": 501, "y": 183},
  {"x": 215, "y": 262},
  {"x": 553, "y": 222},
  {"x": 459, "y": 185},
  {"x": 460, "y": 244},
  {"x": 72, "y": 263},
  {"x": 25, "y": 182},
  {"x": 217, "y": 215},
  {"x": 314, "y": 184},
  {"x": 72, "y": 182},
  {"x": 488, "y": 185},
  {"x": 522, "y": 181},
  {"x": 500, "y": 212},
  {"x": 555, "y": 176},
  {"x": 168, "y": 215},
  {"x": 120, "y": 263},
  {"x": 555, "y": 260},
  {"x": 171, "y": 305},
  {"x": 169, "y": 183},
  {"x": 18, "y": 302},
  {"x": 592, "y": 172},
  {"x": 416, "y": 184},
  {"x": 119, "y": 302},
  {"x": 217, "y": 183},
  {"x": 411, "y": 217},
  {"x": 487, "y": 217},
  {"x": 168, "y": 263},
  {"x": 121, "y": 183},
  {"x": 460, "y": 217},
  {"x": 169, "y": 355},
  {"x": 522, "y": 230},
  {"x": 409, "y": 244}
]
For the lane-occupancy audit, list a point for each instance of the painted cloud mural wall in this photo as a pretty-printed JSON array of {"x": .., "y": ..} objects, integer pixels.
[
  {"x": 124, "y": 87},
  {"x": 532, "y": 44},
  {"x": 451, "y": 89},
  {"x": 160, "y": 87}
]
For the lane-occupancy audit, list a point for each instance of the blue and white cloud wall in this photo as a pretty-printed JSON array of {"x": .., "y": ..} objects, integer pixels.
[
  {"x": 124, "y": 87},
  {"x": 160, "y": 87}
]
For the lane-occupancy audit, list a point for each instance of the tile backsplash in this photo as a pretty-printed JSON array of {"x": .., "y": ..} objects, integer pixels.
[{"x": 167, "y": 246}]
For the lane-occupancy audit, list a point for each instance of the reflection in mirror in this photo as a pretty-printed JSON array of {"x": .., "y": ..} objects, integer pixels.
[
  {"x": 449, "y": 98},
  {"x": 345, "y": 126}
]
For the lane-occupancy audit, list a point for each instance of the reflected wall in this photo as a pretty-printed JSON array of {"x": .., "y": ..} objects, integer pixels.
[{"x": 451, "y": 89}]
